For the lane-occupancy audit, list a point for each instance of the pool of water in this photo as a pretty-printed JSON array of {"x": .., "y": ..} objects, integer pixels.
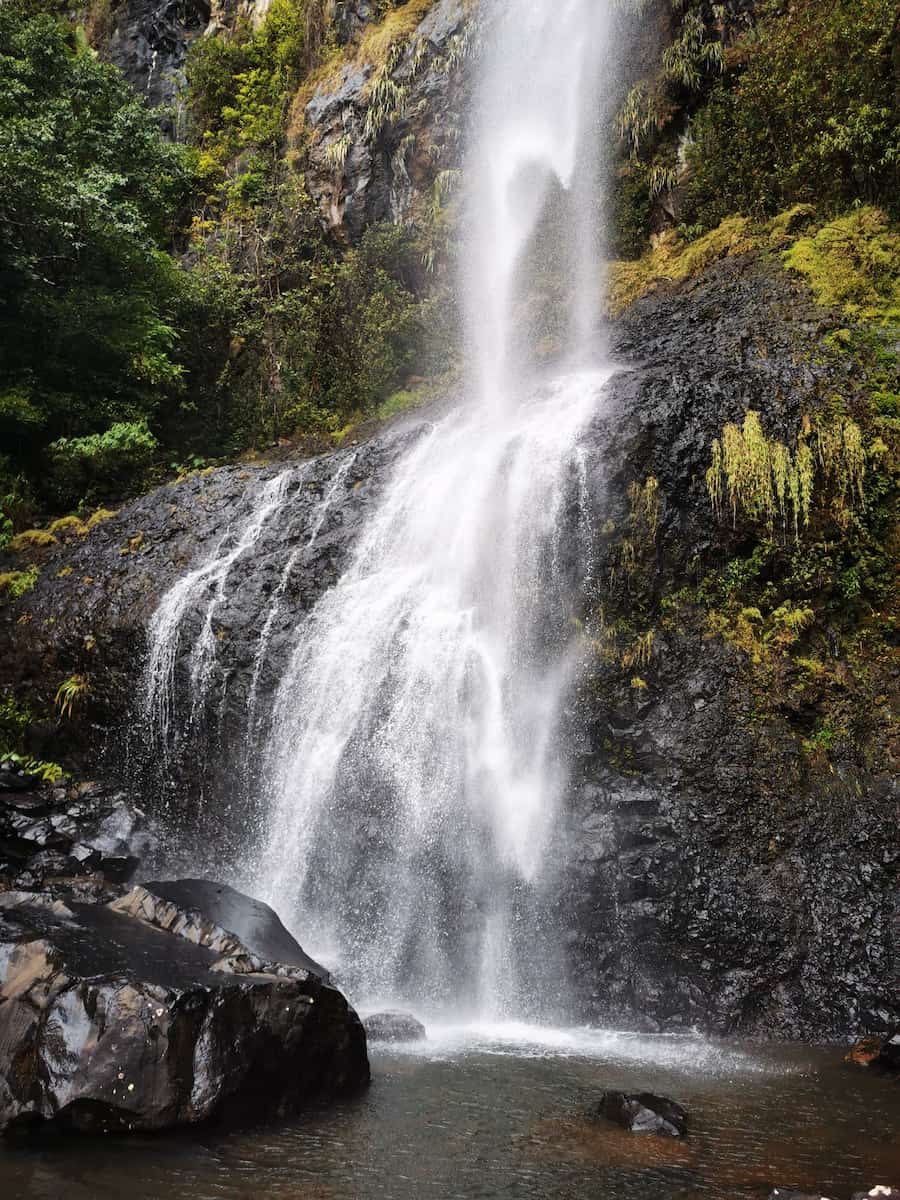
[{"x": 484, "y": 1112}]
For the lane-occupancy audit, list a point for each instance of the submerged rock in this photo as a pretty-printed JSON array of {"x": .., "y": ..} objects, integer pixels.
[
  {"x": 876, "y": 1051},
  {"x": 393, "y": 1026},
  {"x": 642, "y": 1112},
  {"x": 879, "y": 1192},
  {"x": 108, "y": 1022}
]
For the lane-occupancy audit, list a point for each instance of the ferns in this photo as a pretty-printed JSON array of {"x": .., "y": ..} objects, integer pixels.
[
  {"x": 71, "y": 692},
  {"x": 692, "y": 57},
  {"x": 762, "y": 479},
  {"x": 336, "y": 152}
]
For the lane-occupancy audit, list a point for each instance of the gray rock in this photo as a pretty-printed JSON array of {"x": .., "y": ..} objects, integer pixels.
[
  {"x": 393, "y": 1026},
  {"x": 642, "y": 1112}
]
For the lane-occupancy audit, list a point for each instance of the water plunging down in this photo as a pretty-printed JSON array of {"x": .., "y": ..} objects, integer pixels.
[
  {"x": 411, "y": 766},
  {"x": 414, "y": 765}
]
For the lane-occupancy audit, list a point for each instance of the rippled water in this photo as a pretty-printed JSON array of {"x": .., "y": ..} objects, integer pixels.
[{"x": 495, "y": 1112}]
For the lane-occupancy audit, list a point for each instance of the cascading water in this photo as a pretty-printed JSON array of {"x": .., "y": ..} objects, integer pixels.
[
  {"x": 411, "y": 769},
  {"x": 413, "y": 763}
]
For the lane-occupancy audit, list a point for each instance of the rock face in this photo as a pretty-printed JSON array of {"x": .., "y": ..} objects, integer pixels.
[
  {"x": 392, "y": 1026},
  {"x": 148, "y": 40},
  {"x": 83, "y": 837},
  {"x": 712, "y": 879},
  {"x": 109, "y": 1022},
  {"x": 642, "y": 1112},
  {"x": 364, "y": 168}
]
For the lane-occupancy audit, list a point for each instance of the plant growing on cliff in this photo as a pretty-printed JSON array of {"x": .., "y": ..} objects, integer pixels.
[
  {"x": 762, "y": 479},
  {"x": 70, "y": 693},
  {"x": 807, "y": 112}
]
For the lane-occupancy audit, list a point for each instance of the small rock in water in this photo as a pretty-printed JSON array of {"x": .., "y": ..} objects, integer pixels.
[
  {"x": 393, "y": 1026},
  {"x": 880, "y": 1191},
  {"x": 878, "y": 1051},
  {"x": 787, "y": 1194},
  {"x": 642, "y": 1112}
]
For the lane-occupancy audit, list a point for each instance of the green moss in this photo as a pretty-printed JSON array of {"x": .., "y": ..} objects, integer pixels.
[
  {"x": 853, "y": 263},
  {"x": 16, "y": 583},
  {"x": 32, "y": 539},
  {"x": 673, "y": 259}
]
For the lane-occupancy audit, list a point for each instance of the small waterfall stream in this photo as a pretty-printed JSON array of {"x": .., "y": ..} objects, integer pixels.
[{"x": 411, "y": 772}]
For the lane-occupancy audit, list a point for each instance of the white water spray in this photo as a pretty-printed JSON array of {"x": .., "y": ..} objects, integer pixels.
[
  {"x": 412, "y": 774},
  {"x": 414, "y": 764}
]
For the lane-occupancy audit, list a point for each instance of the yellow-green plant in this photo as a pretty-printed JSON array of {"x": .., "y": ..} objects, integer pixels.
[
  {"x": 31, "y": 539},
  {"x": 16, "y": 583},
  {"x": 763, "y": 479},
  {"x": 644, "y": 501},
  {"x": 71, "y": 692}
]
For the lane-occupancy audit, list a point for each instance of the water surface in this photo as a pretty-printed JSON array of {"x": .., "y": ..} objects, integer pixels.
[{"x": 496, "y": 1112}]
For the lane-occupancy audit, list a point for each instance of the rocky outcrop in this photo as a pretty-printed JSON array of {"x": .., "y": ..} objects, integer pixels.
[
  {"x": 115, "y": 1021},
  {"x": 380, "y": 133},
  {"x": 717, "y": 877},
  {"x": 149, "y": 40},
  {"x": 83, "y": 838},
  {"x": 216, "y": 915}
]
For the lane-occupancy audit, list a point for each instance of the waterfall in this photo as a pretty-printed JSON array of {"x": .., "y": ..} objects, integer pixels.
[
  {"x": 411, "y": 772},
  {"x": 413, "y": 767}
]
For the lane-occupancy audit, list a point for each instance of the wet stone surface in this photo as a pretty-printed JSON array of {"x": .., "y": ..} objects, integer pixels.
[{"x": 109, "y": 1022}]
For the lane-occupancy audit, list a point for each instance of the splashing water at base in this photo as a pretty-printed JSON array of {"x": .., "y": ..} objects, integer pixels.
[
  {"x": 414, "y": 761},
  {"x": 413, "y": 755}
]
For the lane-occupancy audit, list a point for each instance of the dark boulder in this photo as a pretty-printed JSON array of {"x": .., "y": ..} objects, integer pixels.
[
  {"x": 257, "y": 925},
  {"x": 880, "y": 1191},
  {"x": 642, "y": 1112},
  {"x": 108, "y": 1022},
  {"x": 393, "y": 1026}
]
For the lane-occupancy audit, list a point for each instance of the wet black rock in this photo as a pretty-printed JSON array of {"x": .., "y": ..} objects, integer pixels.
[
  {"x": 394, "y": 1026},
  {"x": 108, "y": 1022},
  {"x": 642, "y": 1112},
  {"x": 82, "y": 836},
  {"x": 713, "y": 878},
  {"x": 216, "y": 915},
  {"x": 880, "y": 1191}
]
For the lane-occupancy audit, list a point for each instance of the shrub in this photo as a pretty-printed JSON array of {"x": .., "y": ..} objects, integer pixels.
[
  {"x": 102, "y": 462},
  {"x": 808, "y": 114}
]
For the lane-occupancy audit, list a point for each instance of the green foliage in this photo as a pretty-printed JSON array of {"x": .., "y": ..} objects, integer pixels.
[
  {"x": 49, "y": 772},
  {"x": 14, "y": 721},
  {"x": 240, "y": 89},
  {"x": 853, "y": 263},
  {"x": 808, "y": 112},
  {"x": 762, "y": 478},
  {"x": 70, "y": 693},
  {"x": 694, "y": 54},
  {"x": 14, "y": 584},
  {"x": 112, "y": 461},
  {"x": 88, "y": 301}
]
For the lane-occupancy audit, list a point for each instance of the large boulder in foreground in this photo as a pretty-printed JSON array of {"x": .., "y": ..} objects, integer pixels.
[{"x": 111, "y": 1022}]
